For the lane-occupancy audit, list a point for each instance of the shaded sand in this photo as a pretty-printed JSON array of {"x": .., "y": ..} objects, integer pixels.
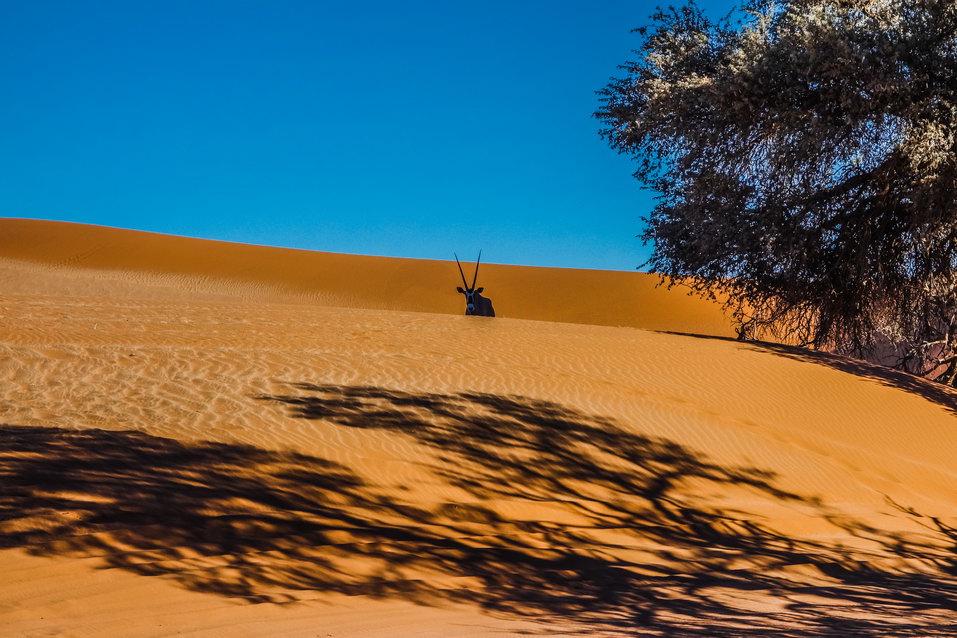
[{"x": 213, "y": 453}]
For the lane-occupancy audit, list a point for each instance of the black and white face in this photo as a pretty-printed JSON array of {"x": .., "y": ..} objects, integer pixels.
[{"x": 470, "y": 302}]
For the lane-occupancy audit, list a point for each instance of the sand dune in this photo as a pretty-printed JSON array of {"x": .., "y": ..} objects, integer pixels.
[
  {"x": 285, "y": 275},
  {"x": 199, "y": 438}
]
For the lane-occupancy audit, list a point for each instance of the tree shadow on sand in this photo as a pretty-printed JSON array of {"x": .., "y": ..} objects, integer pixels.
[{"x": 642, "y": 552}]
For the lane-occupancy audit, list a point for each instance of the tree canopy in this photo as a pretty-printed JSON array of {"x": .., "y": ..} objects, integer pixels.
[{"x": 805, "y": 156}]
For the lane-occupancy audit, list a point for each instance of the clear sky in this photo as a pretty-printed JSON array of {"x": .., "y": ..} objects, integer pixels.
[{"x": 407, "y": 129}]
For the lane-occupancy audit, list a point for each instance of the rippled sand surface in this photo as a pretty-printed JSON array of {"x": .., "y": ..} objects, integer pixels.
[{"x": 200, "y": 438}]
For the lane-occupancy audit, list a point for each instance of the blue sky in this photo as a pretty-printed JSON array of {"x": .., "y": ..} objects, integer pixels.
[{"x": 407, "y": 129}]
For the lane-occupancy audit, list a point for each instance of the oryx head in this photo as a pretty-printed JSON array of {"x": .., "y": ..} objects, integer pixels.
[{"x": 471, "y": 292}]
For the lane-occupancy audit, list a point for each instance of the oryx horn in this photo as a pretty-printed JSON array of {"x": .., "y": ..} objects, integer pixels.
[
  {"x": 461, "y": 272},
  {"x": 475, "y": 278}
]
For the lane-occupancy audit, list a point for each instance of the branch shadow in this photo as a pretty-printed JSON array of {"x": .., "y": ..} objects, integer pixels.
[
  {"x": 206, "y": 514},
  {"x": 930, "y": 390},
  {"x": 641, "y": 549}
]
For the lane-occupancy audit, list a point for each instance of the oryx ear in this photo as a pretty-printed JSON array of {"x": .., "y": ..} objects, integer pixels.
[
  {"x": 479, "y": 290},
  {"x": 459, "y": 288}
]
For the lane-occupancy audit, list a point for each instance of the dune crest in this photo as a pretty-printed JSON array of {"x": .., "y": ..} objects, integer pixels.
[{"x": 608, "y": 298}]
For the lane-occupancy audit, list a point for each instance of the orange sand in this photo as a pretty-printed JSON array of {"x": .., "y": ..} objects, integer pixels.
[
  {"x": 210, "y": 439},
  {"x": 150, "y": 264}
]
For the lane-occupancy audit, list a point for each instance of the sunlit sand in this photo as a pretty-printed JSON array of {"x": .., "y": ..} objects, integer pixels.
[{"x": 202, "y": 438}]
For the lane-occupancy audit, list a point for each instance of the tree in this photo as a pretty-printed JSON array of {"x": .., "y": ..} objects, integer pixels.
[{"x": 805, "y": 156}]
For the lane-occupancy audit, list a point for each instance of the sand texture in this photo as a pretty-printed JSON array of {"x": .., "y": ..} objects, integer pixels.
[{"x": 209, "y": 439}]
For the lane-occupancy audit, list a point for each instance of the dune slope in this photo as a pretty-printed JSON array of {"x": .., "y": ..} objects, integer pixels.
[
  {"x": 206, "y": 454},
  {"x": 93, "y": 253}
]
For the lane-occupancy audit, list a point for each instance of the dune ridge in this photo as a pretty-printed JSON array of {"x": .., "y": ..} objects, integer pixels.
[
  {"x": 206, "y": 452},
  {"x": 419, "y": 285}
]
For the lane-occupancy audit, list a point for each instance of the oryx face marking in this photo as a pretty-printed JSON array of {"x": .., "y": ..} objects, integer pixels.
[
  {"x": 475, "y": 303},
  {"x": 471, "y": 299}
]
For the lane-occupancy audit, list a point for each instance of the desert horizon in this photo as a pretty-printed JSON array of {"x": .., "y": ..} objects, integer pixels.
[
  {"x": 205, "y": 438},
  {"x": 290, "y": 275}
]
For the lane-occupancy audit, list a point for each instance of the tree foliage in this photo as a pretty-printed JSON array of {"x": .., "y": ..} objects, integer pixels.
[{"x": 804, "y": 156}]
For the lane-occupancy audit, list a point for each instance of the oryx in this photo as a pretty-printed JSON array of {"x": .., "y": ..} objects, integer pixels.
[{"x": 475, "y": 303}]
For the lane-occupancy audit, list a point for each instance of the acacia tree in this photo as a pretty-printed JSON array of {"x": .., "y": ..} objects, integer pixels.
[{"x": 805, "y": 156}]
